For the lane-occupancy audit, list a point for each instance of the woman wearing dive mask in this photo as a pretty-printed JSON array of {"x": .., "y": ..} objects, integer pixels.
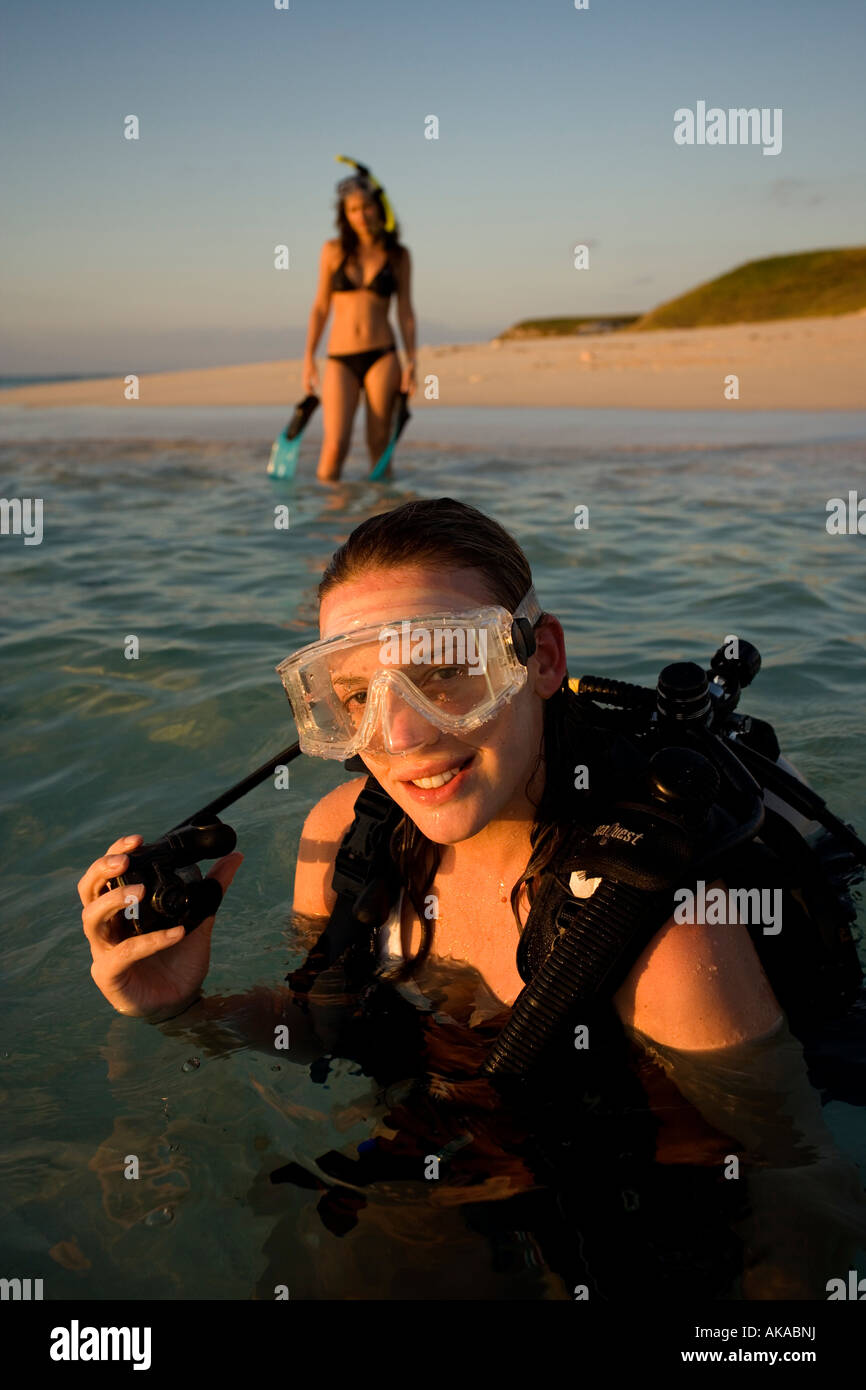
[
  {"x": 471, "y": 750},
  {"x": 437, "y": 666},
  {"x": 359, "y": 271},
  {"x": 476, "y": 782}
]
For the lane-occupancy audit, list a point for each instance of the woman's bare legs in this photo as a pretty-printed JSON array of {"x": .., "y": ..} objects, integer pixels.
[
  {"x": 340, "y": 392},
  {"x": 381, "y": 385}
]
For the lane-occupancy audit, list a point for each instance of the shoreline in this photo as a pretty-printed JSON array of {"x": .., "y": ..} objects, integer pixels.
[{"x": 787, "y": 364}]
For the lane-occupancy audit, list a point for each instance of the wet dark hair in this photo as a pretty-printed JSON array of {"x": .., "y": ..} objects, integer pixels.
[
  {"x": 443, "y": 532},
  {"x": 349, "y": 238}
]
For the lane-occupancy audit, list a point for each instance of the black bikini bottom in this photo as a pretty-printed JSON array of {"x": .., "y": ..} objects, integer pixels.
[{"x": 359, "y": 363}]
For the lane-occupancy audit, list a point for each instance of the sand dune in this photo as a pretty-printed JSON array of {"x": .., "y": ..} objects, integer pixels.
[{"x": 792, "y": 364}]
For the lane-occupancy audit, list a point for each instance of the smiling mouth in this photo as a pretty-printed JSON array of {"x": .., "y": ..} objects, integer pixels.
[{"x": 441, "y": 778}]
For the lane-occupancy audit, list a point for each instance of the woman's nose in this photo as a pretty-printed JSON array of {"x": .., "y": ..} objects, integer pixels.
[{"x": 403, "y": 727}]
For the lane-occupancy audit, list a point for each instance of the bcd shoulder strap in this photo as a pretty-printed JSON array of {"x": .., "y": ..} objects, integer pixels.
[{"x": 366, "y": 883}]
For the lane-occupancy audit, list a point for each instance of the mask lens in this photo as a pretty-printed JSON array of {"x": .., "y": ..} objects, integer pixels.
[
  {"x": 454, "y": 673},
  {"x": 444, "y": 666},
  {"x": 451, "y": 688}
]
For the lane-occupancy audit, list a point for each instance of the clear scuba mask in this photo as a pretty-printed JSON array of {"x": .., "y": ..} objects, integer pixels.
[{"x": 375, "y": 687}]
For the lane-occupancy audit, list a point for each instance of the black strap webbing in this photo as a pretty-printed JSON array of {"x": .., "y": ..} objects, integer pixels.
[{"x": 364, "y": 880}]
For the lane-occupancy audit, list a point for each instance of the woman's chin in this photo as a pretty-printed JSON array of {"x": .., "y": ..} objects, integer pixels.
[{"x": 449, "y": 824}]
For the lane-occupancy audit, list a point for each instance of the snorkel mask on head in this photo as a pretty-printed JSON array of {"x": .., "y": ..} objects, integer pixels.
[
  {"x": 454, "y": 670},
  {"x": 364, "y": 182}
]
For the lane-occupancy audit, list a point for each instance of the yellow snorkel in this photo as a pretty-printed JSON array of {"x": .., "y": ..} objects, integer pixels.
[{"x": 362, "y": 169}]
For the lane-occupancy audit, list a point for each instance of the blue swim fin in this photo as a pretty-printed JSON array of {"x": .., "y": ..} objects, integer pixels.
[
  {"x": 286, "y": 446},
  {"x": 401, "y": 415}
]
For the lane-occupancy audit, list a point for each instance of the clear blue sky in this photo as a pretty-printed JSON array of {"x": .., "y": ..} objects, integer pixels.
[{"x": 556, "y": 127}]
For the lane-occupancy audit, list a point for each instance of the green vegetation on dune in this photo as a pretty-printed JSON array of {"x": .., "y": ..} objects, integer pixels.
[{"x": 807, "y": 285}]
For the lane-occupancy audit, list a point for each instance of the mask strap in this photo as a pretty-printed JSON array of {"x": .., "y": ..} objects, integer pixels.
[
  {"x": 529, "y": 607},
  {"x": 526, "y": 615}
]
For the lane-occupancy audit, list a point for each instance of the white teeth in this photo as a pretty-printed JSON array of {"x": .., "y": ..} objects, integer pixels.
[{"x": 438, "y": 781}]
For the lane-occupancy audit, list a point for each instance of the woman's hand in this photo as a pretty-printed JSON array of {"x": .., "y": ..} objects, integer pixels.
[
  {"x": 407, "y": 382},
  {"x": 158, "y": 973},
  {"x": 310, "y": 377}
]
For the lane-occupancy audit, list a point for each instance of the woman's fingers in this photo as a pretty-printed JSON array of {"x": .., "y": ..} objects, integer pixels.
[
  {"x": 107, "y": 917},
  {"x": 113, "y": 862},
  {"x": 103, "y": 920},
  {"x": 135, "y": 948}
]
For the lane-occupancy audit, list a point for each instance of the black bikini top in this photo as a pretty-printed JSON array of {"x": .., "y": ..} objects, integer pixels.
[{"x": 383, "y": 283}]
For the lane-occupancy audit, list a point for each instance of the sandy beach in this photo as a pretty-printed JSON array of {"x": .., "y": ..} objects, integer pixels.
[{"x": 791, "y": 364}]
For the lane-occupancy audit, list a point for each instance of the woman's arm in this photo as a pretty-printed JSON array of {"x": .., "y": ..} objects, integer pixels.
[
  {"x": 406, "y": 317},
  {"x": 322, "y": 301},
  {"x": 806, "y": 1214},
  {"x": 699, "y": 1003},
  {"x": 321, "y": 837},
  {"x": 697, "y": 987},
  {"x": 252, "y": 1016}
]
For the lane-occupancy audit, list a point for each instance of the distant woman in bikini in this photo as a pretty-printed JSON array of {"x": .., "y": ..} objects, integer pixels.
[{"x": 359, "y": 271}]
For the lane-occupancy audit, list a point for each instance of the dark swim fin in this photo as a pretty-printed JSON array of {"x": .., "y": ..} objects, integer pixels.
[
  {"x": 401, "y": 415},
  {"x": 286, "y": 446}
]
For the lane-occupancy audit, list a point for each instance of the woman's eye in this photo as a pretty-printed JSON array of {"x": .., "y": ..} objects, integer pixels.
[
  {"x": 440, "y": 678},
  {"x": 355, "y": 701}
]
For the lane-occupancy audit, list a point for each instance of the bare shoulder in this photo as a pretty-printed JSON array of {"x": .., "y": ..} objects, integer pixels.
[
  {"x": 699, "y": 987},
  {"x": 333, "y": 814},
  {"x": 323, "y": 831}
]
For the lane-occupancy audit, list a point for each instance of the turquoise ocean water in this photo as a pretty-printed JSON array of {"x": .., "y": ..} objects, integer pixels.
[{"x": 160, "y": 524}]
